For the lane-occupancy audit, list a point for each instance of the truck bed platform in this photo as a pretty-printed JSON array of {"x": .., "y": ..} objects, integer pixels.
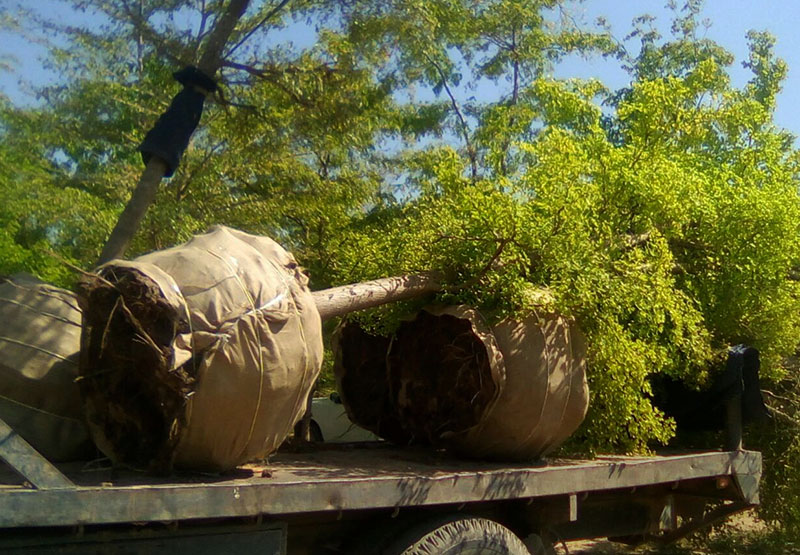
[{"x": 349, "y": 478}]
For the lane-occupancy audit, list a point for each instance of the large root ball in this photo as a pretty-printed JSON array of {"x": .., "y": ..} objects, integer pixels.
[
  {"x": 513, "y": 391},
  {"x": 40, "y": 328},
  {"x": 200, "y": 356}
]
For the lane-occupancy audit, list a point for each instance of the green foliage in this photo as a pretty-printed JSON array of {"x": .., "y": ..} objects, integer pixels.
[{"x": 668, "y": 229}]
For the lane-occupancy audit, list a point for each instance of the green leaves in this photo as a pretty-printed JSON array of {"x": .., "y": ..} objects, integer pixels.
[{"x": 667, "y": 227}]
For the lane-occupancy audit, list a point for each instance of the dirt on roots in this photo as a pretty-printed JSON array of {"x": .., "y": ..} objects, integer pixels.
[
  {"x": 429, "y": 382},
  {"x": 135, "y": 402}
]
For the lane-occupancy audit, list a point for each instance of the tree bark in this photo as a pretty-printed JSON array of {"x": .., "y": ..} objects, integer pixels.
[
  {"x": 339, "y": 301},
  {"x": 211, "y": 60},
  {"x": 145, "y": 192},
  {"x": 128, "y": 223}
]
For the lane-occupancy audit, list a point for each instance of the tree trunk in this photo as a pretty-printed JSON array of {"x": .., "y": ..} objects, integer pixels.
[
  {"x": 339, "y": 301},
  {"x": 128, "y": 223},
  {"x": 145, "y": 192}
]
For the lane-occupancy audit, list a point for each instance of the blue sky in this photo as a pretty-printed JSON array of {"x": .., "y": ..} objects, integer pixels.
[{"x": 730, "y": 21}]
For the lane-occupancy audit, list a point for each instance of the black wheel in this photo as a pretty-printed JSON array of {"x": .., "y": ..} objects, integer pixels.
[
  {"x": 315, "y": 433},
  {"x": 457, "y": 535}
]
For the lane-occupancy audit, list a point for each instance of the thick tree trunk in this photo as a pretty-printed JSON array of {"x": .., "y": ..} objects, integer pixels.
[
  {"x": 145, "y": 192},
  {"x": 339, "y": 301},
  {"x": 128, "y": 223}
]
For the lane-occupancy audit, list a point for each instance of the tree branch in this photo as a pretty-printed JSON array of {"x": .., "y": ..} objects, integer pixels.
[
  {"x": 144, "y": 30},
  {"x": 266, "y": 18},
  {"x": 270, "y": 75},
  {"x": 485, "y": 270},
  {"x": 211, "y": 60},
  {"x": 464, "y": 127}
]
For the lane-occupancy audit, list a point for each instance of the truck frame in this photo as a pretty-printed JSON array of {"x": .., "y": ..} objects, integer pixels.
[{"x": 366, "y": 498}]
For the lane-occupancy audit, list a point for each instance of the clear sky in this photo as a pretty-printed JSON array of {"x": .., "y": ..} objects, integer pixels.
[{"x": 730, "y": 21}]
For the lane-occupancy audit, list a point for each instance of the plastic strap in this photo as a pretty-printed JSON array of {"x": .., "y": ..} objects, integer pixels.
[
  {"x": 39, "y": 410},
  {"x": 40, "y": 312},
  {"x": 47, "y": 291}
]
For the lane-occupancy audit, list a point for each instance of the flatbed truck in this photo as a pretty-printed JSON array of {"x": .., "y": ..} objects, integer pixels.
[{"x": 366, "y": 498}]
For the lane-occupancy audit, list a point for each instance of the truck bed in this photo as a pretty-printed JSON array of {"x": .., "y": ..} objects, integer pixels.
[{"x": 341, "y": 478}]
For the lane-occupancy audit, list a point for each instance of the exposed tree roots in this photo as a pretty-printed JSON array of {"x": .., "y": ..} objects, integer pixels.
[
  {"x": 135, "y": 402},
  {"x": 431, "y": 381}
]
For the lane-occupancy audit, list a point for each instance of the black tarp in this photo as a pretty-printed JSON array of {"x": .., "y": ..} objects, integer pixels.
[{"x": 169, "y": 137}]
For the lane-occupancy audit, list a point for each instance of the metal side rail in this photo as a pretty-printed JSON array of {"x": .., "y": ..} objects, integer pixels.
[
  {"x": 350, "y": 480},
  {"x": 28, "y": 462}
]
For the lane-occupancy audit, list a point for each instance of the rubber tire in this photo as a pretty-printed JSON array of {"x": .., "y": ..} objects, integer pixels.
[
  {"x": 457, "y": 535},
  {"x": 315, "y": 432}
]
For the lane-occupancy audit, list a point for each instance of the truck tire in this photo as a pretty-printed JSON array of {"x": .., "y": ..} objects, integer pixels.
[
  {"x": 457, "y": 535},
  {"x": 315, "y": 432}
]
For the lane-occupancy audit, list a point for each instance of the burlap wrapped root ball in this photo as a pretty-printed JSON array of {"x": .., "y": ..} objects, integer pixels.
[
  {"x": 40, "y": 327},
  {"x": 513, "y": 391},
  {"x": 200, "y": 356}
]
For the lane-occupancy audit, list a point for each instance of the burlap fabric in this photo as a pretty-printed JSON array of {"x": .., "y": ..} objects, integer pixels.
[
  {"x": 236, "y": 322},
  {"x": 39, "y": 342},
  {"x": 513, "y": 391}
]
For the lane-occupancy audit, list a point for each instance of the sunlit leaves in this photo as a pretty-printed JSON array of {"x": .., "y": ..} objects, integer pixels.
[{"x": 668, "y": 240}]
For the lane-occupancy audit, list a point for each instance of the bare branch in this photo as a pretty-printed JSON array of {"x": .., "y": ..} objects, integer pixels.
[
  {"x": 266, "y": 18},
  {"x": 462, "y": 121},
  {"x": 270, "y": 75},
  {"x": 203, "y": 20},
  {"x": 184, "y": 187},
  {"x": 144, "y": 30}
]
